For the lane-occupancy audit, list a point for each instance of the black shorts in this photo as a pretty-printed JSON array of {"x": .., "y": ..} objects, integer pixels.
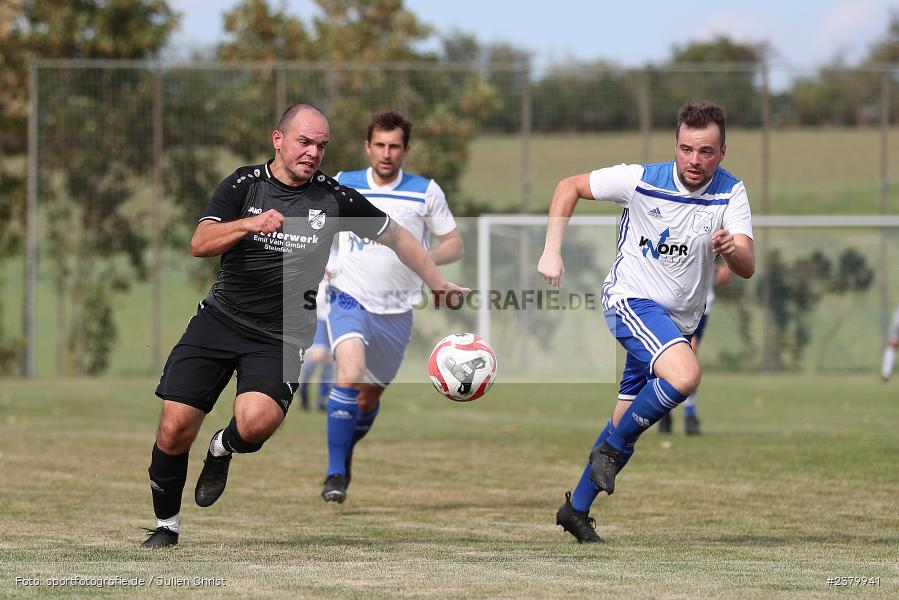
[{"x": 212, "y": 349}]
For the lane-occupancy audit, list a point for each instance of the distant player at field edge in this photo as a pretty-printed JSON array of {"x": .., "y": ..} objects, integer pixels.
[{"x": 889, "y": 352}]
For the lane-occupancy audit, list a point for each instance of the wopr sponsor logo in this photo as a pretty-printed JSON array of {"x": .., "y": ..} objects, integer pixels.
[{"x": 662, "y": 247}]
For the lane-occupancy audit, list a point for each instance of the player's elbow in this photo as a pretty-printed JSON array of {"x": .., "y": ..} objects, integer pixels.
[
  {"x": 199, "y": 249},
  {"x": 748, "y": 270},
  {"x": 742, "y": 263}
]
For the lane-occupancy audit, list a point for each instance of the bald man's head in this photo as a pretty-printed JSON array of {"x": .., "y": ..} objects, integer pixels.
[
  {"x": 299, "y": 142},
  {"x": 292, "y": 112}
]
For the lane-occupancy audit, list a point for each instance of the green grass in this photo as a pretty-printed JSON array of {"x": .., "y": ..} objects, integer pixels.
[{"x": 794, "y": 480}]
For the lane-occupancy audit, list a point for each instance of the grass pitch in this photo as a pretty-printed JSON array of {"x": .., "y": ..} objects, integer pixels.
[{"x": 794, "y": 481}]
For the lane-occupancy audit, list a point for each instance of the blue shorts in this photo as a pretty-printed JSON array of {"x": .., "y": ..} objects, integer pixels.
[
  {"x": 385, "y": 336},
  {"x": 321, "y": 336},
  {"x": 645, "y": 329}
]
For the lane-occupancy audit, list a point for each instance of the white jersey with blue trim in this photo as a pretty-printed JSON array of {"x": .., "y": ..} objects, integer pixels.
[
  {"x": 371, "y": 272},
  {"x": 664, "y": 238}
]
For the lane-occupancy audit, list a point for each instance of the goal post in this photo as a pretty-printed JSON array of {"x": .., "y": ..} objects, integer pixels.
[{"x": 488, "y": 222}]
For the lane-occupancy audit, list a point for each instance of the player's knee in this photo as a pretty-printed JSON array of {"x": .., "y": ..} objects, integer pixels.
[
  {"x": 686, "y": 380},
  {"x": 174, "y": 437},
  {"x": 251, "y": 440},
  {"x": 349, "y": 375},
  {"x": 256, "y": 417}
]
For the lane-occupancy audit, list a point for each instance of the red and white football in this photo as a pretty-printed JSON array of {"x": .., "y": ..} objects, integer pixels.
[{"x": 462, "y": 367}]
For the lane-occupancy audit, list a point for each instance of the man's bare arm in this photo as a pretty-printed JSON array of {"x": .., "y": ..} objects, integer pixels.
[
  {"x": 450, "y": 249},
  {"x": 738, "y": 251},
  {"x": 568, "y": 192},
  {"x": 413, "y": 255},
  {"x": 212, "y": 238}
]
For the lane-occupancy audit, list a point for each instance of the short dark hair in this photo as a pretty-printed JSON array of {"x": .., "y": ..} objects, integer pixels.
[
  {"x": 388, "y": 121},
  {"x": 292, "y": 111},
  {"x": 701, "y": 115}
]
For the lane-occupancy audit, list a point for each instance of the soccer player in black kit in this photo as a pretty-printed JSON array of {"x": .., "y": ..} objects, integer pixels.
[{"x": 257, "y": 319}]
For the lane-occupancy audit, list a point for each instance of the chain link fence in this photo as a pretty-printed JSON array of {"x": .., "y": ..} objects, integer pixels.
[{"x": 124, "y": 156}]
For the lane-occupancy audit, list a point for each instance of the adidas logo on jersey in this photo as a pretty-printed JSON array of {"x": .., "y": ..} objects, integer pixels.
[
  {"x": 341, "y": 414},
  {"x": 655, "y": 213}
]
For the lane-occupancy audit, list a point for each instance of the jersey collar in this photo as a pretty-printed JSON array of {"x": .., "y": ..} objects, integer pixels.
[{"x": 390, "y": 186}]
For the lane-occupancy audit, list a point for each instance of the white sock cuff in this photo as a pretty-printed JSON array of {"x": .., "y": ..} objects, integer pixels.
[
  {"x": 216, "y": 448},
  {"x": 173, "y": 523}
]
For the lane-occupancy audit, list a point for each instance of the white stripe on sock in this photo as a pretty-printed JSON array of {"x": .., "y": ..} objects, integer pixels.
[
  {"x": 343, "y": 398},
  {"x": 661, "y": 396}
]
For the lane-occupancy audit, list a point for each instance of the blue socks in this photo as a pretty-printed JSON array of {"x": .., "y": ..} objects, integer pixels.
[
  {"x": 586, "y": 491},
  {"x": 656, "y": 399},
  {"x": 363, "y": 425},
  {"x": 366, "y": 420},
  {"x": 343, "y": 414}
]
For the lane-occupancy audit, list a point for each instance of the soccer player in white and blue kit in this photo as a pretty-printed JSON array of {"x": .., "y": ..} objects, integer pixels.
[
  {"x": 372, "y": 292},
  {"x": 889, "y": 352},
  {"x": 676, "y": 216}
]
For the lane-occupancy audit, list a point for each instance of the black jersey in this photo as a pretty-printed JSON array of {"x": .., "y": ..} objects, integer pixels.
[{"x": 267, "y": 282}]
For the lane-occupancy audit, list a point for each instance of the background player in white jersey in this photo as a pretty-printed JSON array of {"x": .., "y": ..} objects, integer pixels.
[
  {"x": 691, "y": 419},
  {"x": 676, "y": 217},
  {"x": 372, "y": 292},
  {"x": 889, "y": 353}
]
